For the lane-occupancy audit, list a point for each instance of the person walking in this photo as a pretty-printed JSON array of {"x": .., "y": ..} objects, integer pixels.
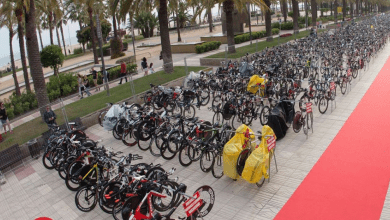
[
  {"x": 86, "y": 85},
  {"x": 50, "y": 117},
  {"x": 144, "y": 66},
  {"x": 151, "y": 69},
  {"x": 4, "y": 119},
  {"x": 94, "y": 77},
  {"x": 123, "y": 71}
]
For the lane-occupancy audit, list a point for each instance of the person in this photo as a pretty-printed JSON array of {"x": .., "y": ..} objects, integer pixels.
[
  {"x": 94, "y": 77},
  {"x": 4, "y": 119},
  {"x": 86, "y": 85},
  {"x": 81, "y": 86},
  {"x": 123, "y": 71},
  {"x": 49, "y": 116},
  {"x": 69, "y": 51},
  {"x": 151, "y": 69},
  {"x": 144, "y": 66}
]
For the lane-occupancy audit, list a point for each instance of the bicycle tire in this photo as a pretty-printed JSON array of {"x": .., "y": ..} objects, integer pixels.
[
  {"x": 111, "y": 189},
  {"x": 218, "y": 118},
  {"x": 129, "y": 138},
  {"x": 236, "y": 121},
  {"x": 241, "y": 160},
  {"x": 264, "y": 114},
  {"x": 323, "y": 102},
  {"x": 46, "y": 160},
  {"x": 183, "y": 155},
  {"x": 91, "y": 193},
  {"x": 209, "y": 202},
  {"x": 189, "y": 112},
  {"x": 297, "y": 125},
  {"x": 101, "y": 117},
  {"x": 207, "y": 161},
  {"x": 217, "y": 169},
  {"x": 165, "y": 151}
]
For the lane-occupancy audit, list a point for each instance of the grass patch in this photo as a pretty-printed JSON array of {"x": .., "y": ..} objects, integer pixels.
[
  {"x": 9, "y": 73},
  {"x": 241, "y": 51},
  {"x": 74, "y": 56},
  {"x": 36, "y": 127}
]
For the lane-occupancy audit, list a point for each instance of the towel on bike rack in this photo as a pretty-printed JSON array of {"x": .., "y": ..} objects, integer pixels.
[
  {"x": 232, "y": 150},
  {"x": 257, "y": 164},
  {"x": 254, "y": 80}
]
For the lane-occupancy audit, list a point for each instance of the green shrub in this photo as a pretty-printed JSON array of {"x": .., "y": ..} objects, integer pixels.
[
  {"x": 302, "y": 20},
  {"x": 125, "y": 45},
  {"x": 34, "y": 104},
  {"x": 18, "y": 109},
  {"x": 275, "y": 31},
  {"x": 78, "y": 51},
  {"x": 301, "y": 26},
  {"x": 54, "y": 94},
  {"x": 66, "y": 90},
  {"x": 116, "y": 47},
  {"x": 208, "y": 46},
  {"x": 291, "y": 14},
  {"x": 10, "y": 113},
  {"x": 106, "y": 50},
  {"x": 287, "y": 26},
  {"x": 276, "y": 25},
  {"x": 26, "y": 106},
  {"x": 121, "y": 54},
  {"x": 127, "y": 36}
]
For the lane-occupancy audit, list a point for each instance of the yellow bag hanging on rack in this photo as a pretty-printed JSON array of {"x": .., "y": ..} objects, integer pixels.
[
  {"x": 232, "y": 150},
  {"x": 258, "y": 163},
  {"x": 255, "y": 79}
]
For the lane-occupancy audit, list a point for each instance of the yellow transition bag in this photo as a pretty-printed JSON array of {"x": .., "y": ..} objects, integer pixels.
[
  {"x": 232, "y": 150},
  {"x": 257, "y": 163},
  {"x": 255, "y": 79}
]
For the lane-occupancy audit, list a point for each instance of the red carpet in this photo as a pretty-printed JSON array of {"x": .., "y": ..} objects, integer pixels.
[{"x": 351, "y": 178}]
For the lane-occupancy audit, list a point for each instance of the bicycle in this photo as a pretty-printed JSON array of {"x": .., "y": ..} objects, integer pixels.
[{"x": 304, "y": 119}]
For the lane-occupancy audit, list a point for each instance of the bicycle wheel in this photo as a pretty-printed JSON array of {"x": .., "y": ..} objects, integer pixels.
[
  {"x": 184, "y": 158},
  {"x": 264, "y": 115},
  {"x": 189, "y": 112},
  {"x": 165, "y": 152},
  {"x": 218, "y": 118},
  {"x": 143, "y": 130},
  {"x": 204, "y": 97},
  {"x": 118, "y": 129},
  {"x": 46, "y": 160},
  {"x": 129, "y": 138},
  {"x": 242, "y": 159},
  {"x": 217, "y": 169},
  {"x": 108, "y": 203},
  {"x": 304, "y": 126},
  {"x": 117, "y": 210},
  {"x": 247, "y": 116},
  {"x": 236, "y": 121},
  {"x": 164, "y": 204},
  {"x": 343, "y": 86},
  {"x": 101, "y": 117},
  {"x": 144, "y": 146},
  {"x": 86, "y": 198},
  {"x": 153, "y": 173},
  {"x": 216, "y": 103},
  {"x": 148, "y": 97},
  {"x": 297, "y": 125},
  {"x": 195, "y": 151},
  {"x": 206, "y": 161},
  {"x": 323, "y": 105},
  {"x": 174, "y": 141},
  {"x": 354, "y": 73},
  {"x": 206, "y": 193},
  {"x": 154, "y": 148}
]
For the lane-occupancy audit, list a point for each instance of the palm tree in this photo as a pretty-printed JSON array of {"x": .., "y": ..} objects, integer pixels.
[
  {"x": 89, "y": 5},
  {"x": 181, "y": 15},
  {"x": 8, "y": 20},
  {"x": 314, "y": 13},
  {"x": 228, "y": 8},
  {"x": 34, "y": 57},
  {"x": 295, "y": 15},
  {"x": 18, "y": 9},
  {"x": 268, "y": 27},
  {"x": 164, "y": 35}
]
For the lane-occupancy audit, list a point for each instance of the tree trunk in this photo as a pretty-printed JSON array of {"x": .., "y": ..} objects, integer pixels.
[
  {"x": 164, "y": 36},
  {"x": 331, "y": 9},
  {"x": 58, "y": 35},
  {"x": 119, "y": 26},
  {"x": 35, "y": 60},
  {"x": 178, "y": 28},
  {"x": 335, "y": 11},
  {"x": 295, "y": 15},
  {"x": 322, "y": 12},
  {"x": 314, "y": 13},
  {"x": 17, "y": 88},
  {"x": 114, "y": 24},
  {"x": 51, "y": 28},
  {"x": 268, "y": 27},
  {"x": 344, "y": 9},
  {"x": 351, "y": 9},
  {"x": 95, "y": 57},
  {"x": 210, "y": 18},
  {"x": 19, "y": 15},
  {"x": 63, "y": 39},
  {"x": 40, "y": 36},
  {"x": 285, "y": 10},
  {"x": 228, "y": 7}
]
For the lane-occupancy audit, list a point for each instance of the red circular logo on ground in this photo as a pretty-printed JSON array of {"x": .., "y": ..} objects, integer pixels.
[{"x": 43, "y": 218}]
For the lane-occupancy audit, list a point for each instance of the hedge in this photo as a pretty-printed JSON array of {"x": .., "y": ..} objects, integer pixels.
[
  {"x": 106, "y": 51},
  {"x": 255, "y": 35},
  {"x": 17, "y": 105},
  {"x": 78, "y": 51},
  {"x": 208, "y": 46}
]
